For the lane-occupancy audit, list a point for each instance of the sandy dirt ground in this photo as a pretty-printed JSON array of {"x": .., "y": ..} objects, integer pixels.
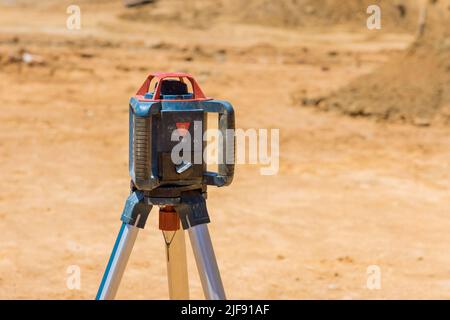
[{"x": 350, "y": 192}]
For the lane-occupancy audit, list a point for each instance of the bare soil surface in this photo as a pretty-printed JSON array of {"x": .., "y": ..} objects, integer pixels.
[
  {"x": 413, "y": 87},
  {"x": 350, "y": 192}
]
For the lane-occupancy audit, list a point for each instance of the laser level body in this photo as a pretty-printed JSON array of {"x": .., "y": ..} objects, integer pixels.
[{"x": 154, "y": 116}]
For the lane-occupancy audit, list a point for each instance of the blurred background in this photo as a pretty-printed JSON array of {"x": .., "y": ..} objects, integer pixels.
[{"x": 364, "y": 144}]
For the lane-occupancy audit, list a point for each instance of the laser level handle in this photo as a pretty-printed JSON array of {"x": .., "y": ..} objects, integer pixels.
[
  {"x": 197, "y": 91},
  {"x": 227, "y": 151}
]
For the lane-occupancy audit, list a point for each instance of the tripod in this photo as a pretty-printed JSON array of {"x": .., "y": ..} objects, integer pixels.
[{"x": 189, "y": 208}]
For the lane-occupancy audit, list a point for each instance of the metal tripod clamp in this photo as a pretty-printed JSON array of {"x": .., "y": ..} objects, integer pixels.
[
  {"x": 136, "y": 210},
  {"x": 192, "y": 209}
]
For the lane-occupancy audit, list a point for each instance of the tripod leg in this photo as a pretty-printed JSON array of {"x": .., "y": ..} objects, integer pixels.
[
  {"x": 194, "y": 217},
  {"x": 176, "y": 265},
  {"x": 117, "y": 262},
  {"x": 134, "y": 217},
  {"x": 177, "y": 275},
  {"x": 206, "y": 262}
]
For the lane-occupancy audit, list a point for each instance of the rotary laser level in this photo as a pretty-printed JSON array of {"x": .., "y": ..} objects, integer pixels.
[{"x": 159, "y": 122}]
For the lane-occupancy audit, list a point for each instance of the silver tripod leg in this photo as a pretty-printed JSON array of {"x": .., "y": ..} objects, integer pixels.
[
  {"x": 117, "y": 262},
  {"x": 177, "y": 273},
  {"x": 206, "y": 262}
]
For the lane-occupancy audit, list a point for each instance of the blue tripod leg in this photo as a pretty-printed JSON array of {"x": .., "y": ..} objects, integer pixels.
[
  {"x": 133, "y": 217},
  {"x": 117, "y": 262}
]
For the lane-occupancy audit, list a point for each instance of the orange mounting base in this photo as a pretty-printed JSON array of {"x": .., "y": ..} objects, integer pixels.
[{"x": 168, "y": 219}]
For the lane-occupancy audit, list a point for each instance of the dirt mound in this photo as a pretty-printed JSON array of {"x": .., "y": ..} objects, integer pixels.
[
  {"x": 323, "y": 13},
  {"x": 396, "y": 15},
  {"x": 413, "y": 86}
]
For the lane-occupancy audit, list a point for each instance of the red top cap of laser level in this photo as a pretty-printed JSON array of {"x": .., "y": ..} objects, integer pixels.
[{"x": 198, "y": 94}]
